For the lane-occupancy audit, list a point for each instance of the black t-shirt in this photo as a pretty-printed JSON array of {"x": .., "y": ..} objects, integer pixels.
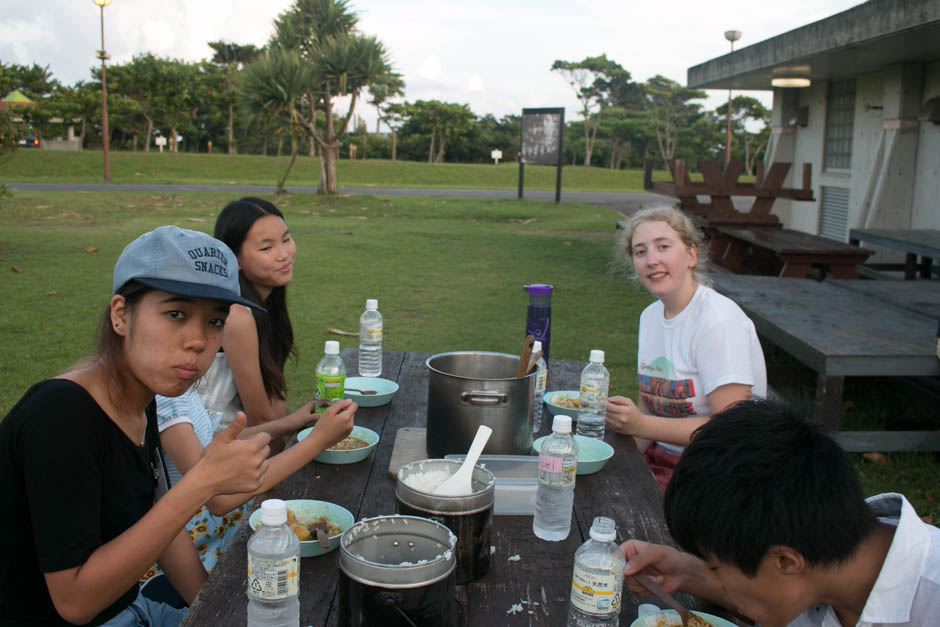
[{"x": 70, "y": 481}]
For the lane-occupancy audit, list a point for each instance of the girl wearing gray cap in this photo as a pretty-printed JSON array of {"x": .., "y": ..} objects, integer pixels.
[{"x": 80, "y": 467}]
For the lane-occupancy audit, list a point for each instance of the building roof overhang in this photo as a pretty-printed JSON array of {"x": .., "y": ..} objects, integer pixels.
[{"x": 861, "y": 40}]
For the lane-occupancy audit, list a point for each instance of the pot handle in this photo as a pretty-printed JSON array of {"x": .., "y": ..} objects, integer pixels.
[{"x": 482, "y": 397}]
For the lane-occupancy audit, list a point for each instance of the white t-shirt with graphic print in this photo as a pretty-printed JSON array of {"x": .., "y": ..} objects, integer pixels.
[{"x": 680, "y": 361}]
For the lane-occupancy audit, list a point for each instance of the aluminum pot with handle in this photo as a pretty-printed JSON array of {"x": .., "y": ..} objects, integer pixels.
[{"x": 467, "y": 389}]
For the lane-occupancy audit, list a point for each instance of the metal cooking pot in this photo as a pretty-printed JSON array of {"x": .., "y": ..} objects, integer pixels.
[{"x": 467, "y": 389}]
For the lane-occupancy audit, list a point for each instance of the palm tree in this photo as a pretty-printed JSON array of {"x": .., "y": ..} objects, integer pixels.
[
  {"x": 232, "y": 57},
  {"x": 318, "y": 56}
]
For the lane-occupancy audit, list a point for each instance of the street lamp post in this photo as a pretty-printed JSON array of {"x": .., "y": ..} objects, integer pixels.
[
  {"x": 732, "y": 36},
  {"x": 105, "y": 133}
]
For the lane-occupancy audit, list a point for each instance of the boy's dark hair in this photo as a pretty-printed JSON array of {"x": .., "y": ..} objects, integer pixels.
[
  {"x": 760, "y": 474},
  {"x": 275, "y": 332}
]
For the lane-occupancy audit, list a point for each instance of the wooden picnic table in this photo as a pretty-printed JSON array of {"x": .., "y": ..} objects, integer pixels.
[
  {"x": 923, "y": 243},
  {"x": 840, "y": 332},
  {"x": 625, "y": 490},
  {"x": 796, "y": 252}
]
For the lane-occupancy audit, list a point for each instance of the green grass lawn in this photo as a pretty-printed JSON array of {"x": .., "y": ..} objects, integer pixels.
[
  {"x": 199, "y": 168},
  {"x": 448, "y": 274}
]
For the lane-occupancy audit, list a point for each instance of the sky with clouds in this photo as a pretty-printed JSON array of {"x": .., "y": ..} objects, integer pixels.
[{"x": 494, "y": 55}]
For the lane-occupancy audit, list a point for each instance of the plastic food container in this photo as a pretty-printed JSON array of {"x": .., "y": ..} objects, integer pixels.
[{"x": 516, "y": 482}]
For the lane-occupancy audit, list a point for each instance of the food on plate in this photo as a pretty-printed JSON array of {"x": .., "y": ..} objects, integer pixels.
[
  {"x": 307, "y": 529},
  {"x": 567, "y": 402},
  {"x": 349, "y": 444},
  {"x": 672, "y": 620}
]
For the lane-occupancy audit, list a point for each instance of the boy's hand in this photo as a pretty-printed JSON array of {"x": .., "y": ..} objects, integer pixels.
[
  {"x": 622, "y": 415},
  {"x": 232, "y": 465},
  {"x": 663, "y": 564},
  {"x": 336, "y": 422}
]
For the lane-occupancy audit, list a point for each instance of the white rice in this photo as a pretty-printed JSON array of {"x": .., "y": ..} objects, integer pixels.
[{"x": 427, "y": 481}]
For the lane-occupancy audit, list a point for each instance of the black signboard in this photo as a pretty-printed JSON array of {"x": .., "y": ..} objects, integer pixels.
[{"x": 542, "y": 141}]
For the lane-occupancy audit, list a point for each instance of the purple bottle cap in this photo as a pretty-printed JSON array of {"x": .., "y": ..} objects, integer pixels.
[{"x": 538, "y": 288}]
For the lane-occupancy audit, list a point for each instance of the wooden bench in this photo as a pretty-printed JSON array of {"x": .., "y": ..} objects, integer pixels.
[{"x": 923, "y": 243}]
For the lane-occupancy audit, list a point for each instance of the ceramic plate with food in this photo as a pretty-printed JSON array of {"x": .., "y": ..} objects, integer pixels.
[
  {"x": 670, "y": 618},
  {"x": 306, "y": 518},
  {"x": 563, "y": 402},
  {"x": 355, "y": 448}
]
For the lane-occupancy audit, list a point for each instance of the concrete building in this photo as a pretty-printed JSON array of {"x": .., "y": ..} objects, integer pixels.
[{"x": 869, "y": 121}]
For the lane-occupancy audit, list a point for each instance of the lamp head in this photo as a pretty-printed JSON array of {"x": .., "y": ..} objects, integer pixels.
[
  {"x": 790, "y": 81},
  {"x": 102, "y": 3},
  {"x": 730, "y": 35}
]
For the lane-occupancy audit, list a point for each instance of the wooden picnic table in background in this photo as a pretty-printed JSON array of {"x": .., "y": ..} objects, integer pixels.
[
  {"x": 795, "y": 253},
  {"x": 624, "y": 490},
  {"x": 923, "y": 243},
  {"x": 918, "y": 296},
  {"x": 840, "y": 332}
]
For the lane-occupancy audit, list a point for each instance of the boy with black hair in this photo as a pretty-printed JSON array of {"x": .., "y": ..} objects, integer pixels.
[{"x": 772, "y": 515}]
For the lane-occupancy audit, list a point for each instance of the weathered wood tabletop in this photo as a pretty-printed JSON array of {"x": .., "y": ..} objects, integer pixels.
[
  {"x": 796, "y": 250},
  {"x": 837, "y": 332},
  {"x": 924, "y": 243},
  {"x": 624, "y": 489},
  {"x": 922, "y": 297}
]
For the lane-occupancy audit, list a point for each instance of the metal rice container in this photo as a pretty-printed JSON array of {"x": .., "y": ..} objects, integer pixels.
[
  {"x": 397, "y": 571},
  {"x": 469, "y": 516},
  {"x": 467, "y": 389}
]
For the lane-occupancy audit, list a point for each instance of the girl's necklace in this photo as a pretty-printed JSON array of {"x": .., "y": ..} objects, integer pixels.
[{"x": 141, "y": 431}]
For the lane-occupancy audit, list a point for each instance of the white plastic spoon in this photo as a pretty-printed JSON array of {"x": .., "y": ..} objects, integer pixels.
[{"x": 459, "y": 483}]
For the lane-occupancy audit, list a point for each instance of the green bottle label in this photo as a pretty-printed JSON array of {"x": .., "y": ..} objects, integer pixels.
[{"x": 330, "y": 387}]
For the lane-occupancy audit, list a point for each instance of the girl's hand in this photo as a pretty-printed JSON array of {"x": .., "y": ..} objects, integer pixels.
[
  {"x": 302, "y": 417},
  {"x": 622, "y": 415},
  {"x": 233, "y": 465},
  {"x": 336, "y": 422}
]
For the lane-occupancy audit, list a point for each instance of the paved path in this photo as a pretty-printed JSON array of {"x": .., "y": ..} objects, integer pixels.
[{"x": 623, "y": 202}]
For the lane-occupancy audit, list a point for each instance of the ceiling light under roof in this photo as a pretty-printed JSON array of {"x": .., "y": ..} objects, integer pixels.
[{"x": 790, "y": 81}]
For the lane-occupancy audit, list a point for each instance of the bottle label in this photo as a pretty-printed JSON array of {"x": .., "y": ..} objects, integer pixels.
[
  {"x": 557, "y": 471},
  {"x": 596, "y": 593},
  {"x": 371, "y": 336},
  {"x": 330, "y": 387},
  {"x": 540, "y": 379},
  {"x": 273, "y": 579}
]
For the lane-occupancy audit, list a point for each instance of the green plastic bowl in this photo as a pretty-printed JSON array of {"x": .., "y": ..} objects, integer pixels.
[
  {"x": 346, "y": 457},
  {"x": 306, "y": 509},
  {"x": 670, "y": 618},
  {"x": 385, "y": 390},
  {"x": 592, "y": 453},
  {"x": 551, "y": 397}
]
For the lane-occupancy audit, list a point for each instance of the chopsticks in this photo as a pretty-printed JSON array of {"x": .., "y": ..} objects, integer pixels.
[{"x": 524, "y": 366}]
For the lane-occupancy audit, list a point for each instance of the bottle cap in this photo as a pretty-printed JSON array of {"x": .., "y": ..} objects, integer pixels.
[
  {"x": 597, "y": 356},
  {"x": 536, "y": 347},
  {"x": 273, "y": 512},
  {"x": 331, "y": 347},
  {"x": 604, "y": 529},
  {"x": 538, "y": 288},
  {"x": 372, "y": 304},
  {"x": 561, "y": 424}
]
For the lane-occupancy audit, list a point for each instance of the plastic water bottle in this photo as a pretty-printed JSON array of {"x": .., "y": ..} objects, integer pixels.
[
  {"x": 595, "y": 381},
  {"x": 597, "y": 581},
  {"x": 331, "y": 374},
  {"x": 541, "y": 380},
  {"x": 554, "y": 497},
  {"x": 370, "y": 340},
  {"x": 273, "y": 570}
]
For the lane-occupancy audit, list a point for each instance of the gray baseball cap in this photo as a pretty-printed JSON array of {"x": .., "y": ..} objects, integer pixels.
[{"x": 183, "y": 262}]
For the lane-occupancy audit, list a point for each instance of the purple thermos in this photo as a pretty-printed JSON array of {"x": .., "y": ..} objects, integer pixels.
[{"x": 538, "y": 322}]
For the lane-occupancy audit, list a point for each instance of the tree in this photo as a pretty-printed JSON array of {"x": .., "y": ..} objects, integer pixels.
[
  {"x": 382, "y": 91},
  {"x": 744, "y": 111},
  {"x": 440, "y": 122},
  {"x": 668, "y": 109},
  {"x": 337, "y": 62},
  {"x": 598, "y": 83},
  {"x": 10, "y": 134},
  {"x": 232, "y": 57},
  {"x": 34, "y": 81}
]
